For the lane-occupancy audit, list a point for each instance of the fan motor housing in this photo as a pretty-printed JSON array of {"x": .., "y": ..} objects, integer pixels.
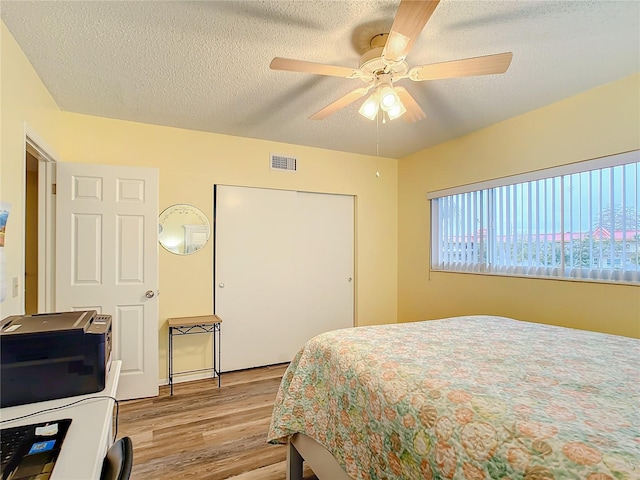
[{"x": 372, "y": 62}]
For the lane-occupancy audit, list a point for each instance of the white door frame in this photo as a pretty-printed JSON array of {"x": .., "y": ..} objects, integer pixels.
[{"x": 47, "y": 158}]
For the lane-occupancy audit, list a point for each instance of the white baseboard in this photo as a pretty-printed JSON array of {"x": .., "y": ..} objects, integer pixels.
[{"x": 188, "y": 377}]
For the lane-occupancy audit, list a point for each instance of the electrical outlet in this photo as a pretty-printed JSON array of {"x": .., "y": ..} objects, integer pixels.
[{"x": 15, "y": 286}]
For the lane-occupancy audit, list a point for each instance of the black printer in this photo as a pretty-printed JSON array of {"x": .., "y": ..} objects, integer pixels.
[{"x": 53, "y": 355}]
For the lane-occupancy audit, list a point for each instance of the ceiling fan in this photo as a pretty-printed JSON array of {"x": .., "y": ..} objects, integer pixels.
[{"x": 384, "y": 64}]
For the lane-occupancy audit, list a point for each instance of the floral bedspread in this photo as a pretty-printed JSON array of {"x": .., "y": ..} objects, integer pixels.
[{"x": 467, "y": 398}]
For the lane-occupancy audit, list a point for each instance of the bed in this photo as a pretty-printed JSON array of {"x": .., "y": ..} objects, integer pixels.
[{"x": 464, "y": 398}]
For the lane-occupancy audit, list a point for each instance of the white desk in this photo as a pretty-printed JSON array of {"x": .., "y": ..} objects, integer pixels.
[{"x": 90, "y": 433}]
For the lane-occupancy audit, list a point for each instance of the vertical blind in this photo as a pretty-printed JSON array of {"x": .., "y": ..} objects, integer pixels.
[{"x": 582, "y": 225}]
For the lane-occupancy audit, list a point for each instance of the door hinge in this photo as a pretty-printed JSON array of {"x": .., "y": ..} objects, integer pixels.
[{"x": 53, "y": 188}]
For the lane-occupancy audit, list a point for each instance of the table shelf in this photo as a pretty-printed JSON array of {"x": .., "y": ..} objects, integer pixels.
[{"x": 190, "y": 326}]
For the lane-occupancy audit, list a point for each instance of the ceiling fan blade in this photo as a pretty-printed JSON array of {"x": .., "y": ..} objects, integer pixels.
[
  {"x": 291, "y": 65},
  {"x": 414, "y": 113},
  {"x": 486, "y": 65},
  {"x": 342, "y": 102},
  {"x": 411, "y": 17}
]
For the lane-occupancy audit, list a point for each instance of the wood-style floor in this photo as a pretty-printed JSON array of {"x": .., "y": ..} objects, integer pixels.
[{"x": 207, "y": 433}]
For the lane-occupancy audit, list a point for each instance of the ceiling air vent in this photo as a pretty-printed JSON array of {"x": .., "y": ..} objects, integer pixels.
[{"x": 282, "y": 163}]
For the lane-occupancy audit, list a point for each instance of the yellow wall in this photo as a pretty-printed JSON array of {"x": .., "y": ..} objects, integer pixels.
[
  {"x": 190, "y": 163},
  {"x": 23, "y": 98},
  {"x": 596, "y": 123},
  {"x": 393, "y": 279}
]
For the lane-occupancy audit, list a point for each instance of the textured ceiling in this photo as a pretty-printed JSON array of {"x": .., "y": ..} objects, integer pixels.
[{"x": 204, "y": 65}]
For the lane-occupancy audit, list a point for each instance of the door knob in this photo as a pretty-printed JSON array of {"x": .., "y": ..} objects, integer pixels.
[
  {"x": 149, "y": 294},
  {"x": 221, "y": 285}
]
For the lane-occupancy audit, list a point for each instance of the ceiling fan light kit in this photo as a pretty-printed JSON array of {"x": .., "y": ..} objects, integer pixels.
[
  {"x": 388, "y": 98},
  {"x": 397, "y": 111},
  {"x": 370, "y": 107},
  {"x": 385, "y": 64}
]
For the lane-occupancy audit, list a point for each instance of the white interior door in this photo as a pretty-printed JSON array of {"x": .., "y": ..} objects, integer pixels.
[
  {"x": 283, "y": 271},
  {"x": 107, "y": 260}
]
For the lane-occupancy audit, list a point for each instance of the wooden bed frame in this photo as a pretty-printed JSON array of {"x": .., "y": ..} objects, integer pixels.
[{"x": 301, "y": 448}]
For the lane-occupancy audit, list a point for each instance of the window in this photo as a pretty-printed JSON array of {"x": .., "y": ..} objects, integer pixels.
[{"x": 578, "y": 221}]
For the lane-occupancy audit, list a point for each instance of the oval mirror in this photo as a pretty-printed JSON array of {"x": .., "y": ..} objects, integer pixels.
[{"x": 183, "y": 229}]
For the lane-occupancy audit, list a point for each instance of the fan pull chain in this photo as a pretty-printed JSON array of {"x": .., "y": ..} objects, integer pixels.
[{"x": 377, "y": 146}]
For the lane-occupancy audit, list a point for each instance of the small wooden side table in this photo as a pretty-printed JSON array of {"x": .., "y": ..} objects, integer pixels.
[{"x": 190, "y": 326}]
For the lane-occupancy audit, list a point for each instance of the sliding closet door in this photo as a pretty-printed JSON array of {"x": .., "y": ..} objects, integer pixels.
[
  {"x": 283, "y": 271},
  {"x": 325, "y": 229},
  {"x": 254, "y": 262}
]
